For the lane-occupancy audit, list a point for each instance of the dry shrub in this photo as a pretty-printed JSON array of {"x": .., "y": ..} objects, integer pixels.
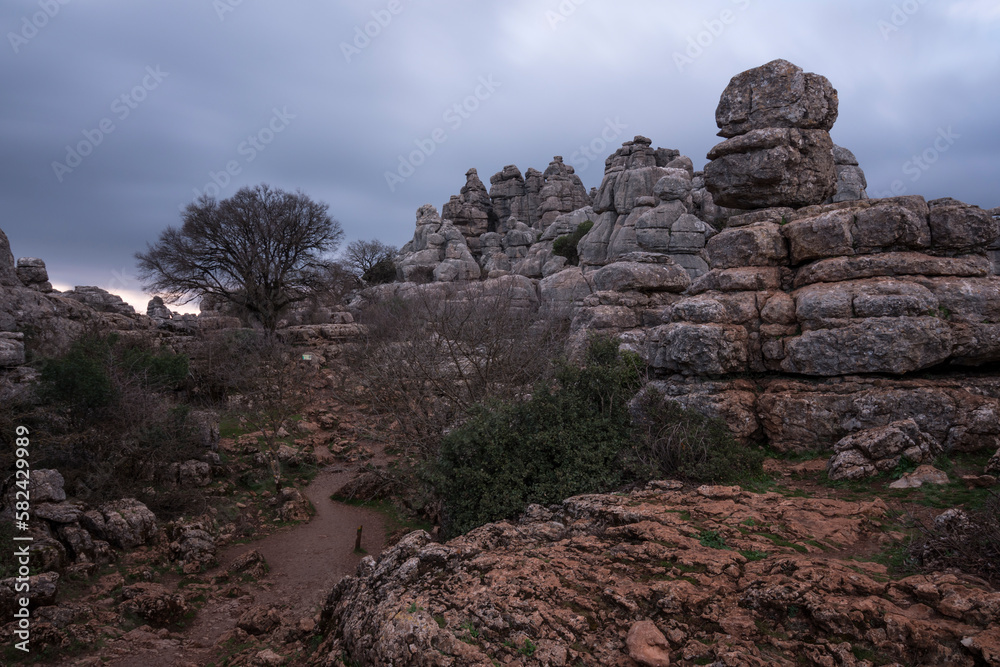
[
  {"x": 968, "y": 542},
  {"x": 432, "y": 352}
]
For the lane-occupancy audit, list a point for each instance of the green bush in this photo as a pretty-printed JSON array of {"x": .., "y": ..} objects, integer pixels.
[
  {"x": 565, "y": 440},
  {"x": 565, "y": 246},
  {"x": 674, "y": 442},
  {"x": 383, "y": 271}
]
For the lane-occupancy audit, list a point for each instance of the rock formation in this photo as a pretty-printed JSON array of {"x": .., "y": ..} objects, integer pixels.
[
  {"x": 778, "y": 152},
  {"x": 601, "y": 577},
  {"x": 471, "y": 211},
  {"x": 32, "y": 274}
]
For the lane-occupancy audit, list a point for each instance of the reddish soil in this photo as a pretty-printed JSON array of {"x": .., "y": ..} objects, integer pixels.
[{"x": 305, "y": 561}]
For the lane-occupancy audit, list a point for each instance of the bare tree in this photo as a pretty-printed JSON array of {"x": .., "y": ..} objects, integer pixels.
[
  {"x": 372, "y": 261},
  {"x": 262, "y": 250}
]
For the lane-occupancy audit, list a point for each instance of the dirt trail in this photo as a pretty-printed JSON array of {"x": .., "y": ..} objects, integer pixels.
[{"x": 305, "y": 562}]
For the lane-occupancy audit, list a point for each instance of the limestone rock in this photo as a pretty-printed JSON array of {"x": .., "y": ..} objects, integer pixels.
[
  {"x": 777, "y": 94},
  {"x": 895, "y": 345},
  {"x": 851, "y": 181},
  {"x": 8, "y": 272},
  {"x": 871, "y": 451},
  {"x": 563, "y": 192},
  {"x": 192, "y": 474},
  {"x": 32, "y": 274},
  {"x": 562, "y": 293},
  {"x": 251, "y": 563},
  {"x": 840, "y": 269},
  {"x": 698, "y": 349},
  {"x": 192, "y": 545},
  {"x": 647, "y": 645},
  {"x": 772, "y": 167},
  {"x": 958, "y": 227},
  {"x": 641, "y": 277},
  {"x": 760, "y": 244},
  {"x": 11, "y": 349},
  {"x": 514, "y": 195},
  {"x": 125, "y": 523},
  {"x": 157, "y": 310},
  {"x": 922, "y": 475},
  {"x": 154, "y": 603},
  {"x": 100, "y": 300},
  {"x": 471, "y": 211},
  {"x": 42, "y": 589}
]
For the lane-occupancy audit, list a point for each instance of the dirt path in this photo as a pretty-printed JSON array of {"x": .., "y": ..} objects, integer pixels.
[{"x": 305, "y": 562}]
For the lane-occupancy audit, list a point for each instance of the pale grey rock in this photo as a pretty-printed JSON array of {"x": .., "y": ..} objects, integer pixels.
[
  {"x": 749, "y": 278},
  {"x": 840, "y": 269},
  {"x": 851, "y": 181},
  {"x": 64, "y": 512},
  {"x": 924, "y": 474},
  {"x": 471, "y": 211},
  {"x": 698, "y": 349},
  {"x": 41, "y": 591},
  {"x": 772, "y": 167},
  {"x": 759, "y": 244},
  {"x": 641, "y": 277},
  {"x": 561, "y": 294},
  {"x": 778, "y": 94},
  {"x": 100, "y": 300},
  {"x": 872, "y": 451},
  {"x": 563, "y": 192},
  {"x": 894, "y": 345},
  {"x": 125, "y": 523},
  {"x": 32, "y": 274}
]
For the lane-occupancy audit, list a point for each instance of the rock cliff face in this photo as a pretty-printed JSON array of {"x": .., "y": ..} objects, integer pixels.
[{"x": 715, "y": 576}]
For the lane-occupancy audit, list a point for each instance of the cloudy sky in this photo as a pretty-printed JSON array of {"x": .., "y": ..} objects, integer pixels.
[{"x": 115, "y": 114}]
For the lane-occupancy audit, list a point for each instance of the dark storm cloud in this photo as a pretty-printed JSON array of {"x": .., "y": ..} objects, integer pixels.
[{"x": 198, "y": 95}]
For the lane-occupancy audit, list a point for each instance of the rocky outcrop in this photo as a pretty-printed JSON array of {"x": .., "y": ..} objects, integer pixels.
[
  {"x": 563, "y": 192},
  {"x": 851, "y": 181},
  {"x": 8, "y": 272},
  {"x": 33, "y": 275},
  {"x": 471, "y": 211},
  {"x": 100, "y": 300},
  {"x": 778, "y": 152},
  {"x": 601, "y": 577},
  {"x": 437, "y": 252},
  {"x": 871, "y": 451}
]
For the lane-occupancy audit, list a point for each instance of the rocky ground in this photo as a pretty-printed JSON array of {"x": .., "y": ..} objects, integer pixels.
[{"x": 808, "y": 572}]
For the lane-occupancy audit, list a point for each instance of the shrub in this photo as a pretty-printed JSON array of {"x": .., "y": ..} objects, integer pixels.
[
  {"x": 383, "y": 271},
  {"x": 564, "y": 440},
  {"x": 565, "y": 246},
  {"x": 968, "y": 542},
  {"x": 675, "y": 442}
]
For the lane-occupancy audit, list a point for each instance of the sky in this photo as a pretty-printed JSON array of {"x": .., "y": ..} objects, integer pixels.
[{"x": 116, "y": 114}]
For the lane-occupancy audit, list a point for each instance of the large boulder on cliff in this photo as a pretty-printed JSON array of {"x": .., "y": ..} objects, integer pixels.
[
  {"x": 8, "y": 272},
  {"x": 778, "y": 152}
]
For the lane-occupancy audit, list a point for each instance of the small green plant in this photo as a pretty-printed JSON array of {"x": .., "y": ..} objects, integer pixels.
[
  {"x": 712, "y": 539},
  {"x": 674, "y": 441},
  {"x": 528, "y": 648},
  {"x": 753, "y": 555},
  {"x": 566, "y": 245}
]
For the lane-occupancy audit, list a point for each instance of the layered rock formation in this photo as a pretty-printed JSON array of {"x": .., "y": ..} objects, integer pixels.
[
  {"x": 778, "y": 152},
  {"x": 836, "y": 310}
]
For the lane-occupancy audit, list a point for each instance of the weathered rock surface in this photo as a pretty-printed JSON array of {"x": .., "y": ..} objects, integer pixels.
[
  {"x": 471, "y": 211},
  {"x": 32, "y": 274},
  {"x": 851, "y": 181},
  {"x": 8, "y": 271},
  {"x": 871, "y": 451},
  {"x": 125, "y": 523},
  {"x": 778, "y": 150},
  {"x": 628, "y": 575}
]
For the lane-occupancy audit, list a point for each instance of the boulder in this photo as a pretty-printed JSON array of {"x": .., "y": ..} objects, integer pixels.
[
  {"x": 851, "y": 181},
  {"x": 42, "y": 589},
  {"x": 875, "y": 450},
  {"x": 922, "y": 475},
  {"x": 759, "y": 244},
  {"x": 641, "y": 277},
  {"x": 192, "y": 545},
  {"x": 32, "y": 274},
  {"x": 125, "y": 523},
  {"x": 958, "y": 227},
  {"x": 100, "y": 300},
  {"x": 698, "y": 349},
  {"x": 647, "y": 645},
  {"x": 772, "y": 167},
  {"x": 154, "y": 603},
  {"x": 777, "y": 94}
]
